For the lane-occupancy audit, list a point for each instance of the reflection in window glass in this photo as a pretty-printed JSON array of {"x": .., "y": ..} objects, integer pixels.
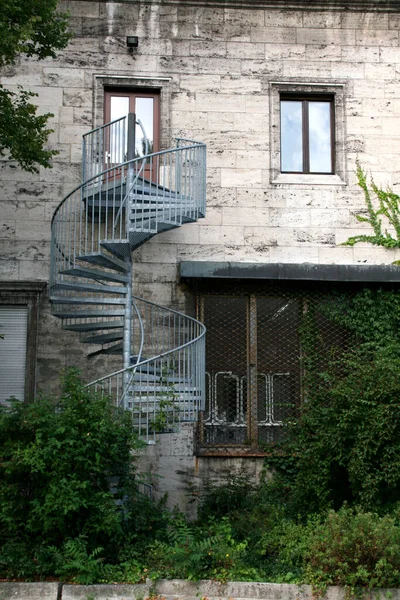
[
  {"x": 144, "y": 112},
  {"x": 319, "y": 116},
  {"x": 291, "y": 136},
  {"x": 119, "y": 107}
]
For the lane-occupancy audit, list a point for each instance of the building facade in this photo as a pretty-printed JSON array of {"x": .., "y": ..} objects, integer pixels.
[{"x": 286, "y": 96}]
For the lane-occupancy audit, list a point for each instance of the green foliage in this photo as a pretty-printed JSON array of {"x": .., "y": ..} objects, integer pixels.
[
  {"x": 32, "y": 28},
  {"x": 208, "y": 551},
  {"x": 386, "y": 215},
  {"x": 56, "y": 470},
  {"x": 23, "y": 133},
  {"x": 37, "y": 30},
  {"x": 354, "y": 549},
  {"x": 74, "y": 563},
  {"x": 347, "y": 442}
]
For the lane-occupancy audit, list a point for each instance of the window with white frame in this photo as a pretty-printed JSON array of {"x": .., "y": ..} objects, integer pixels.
[{"x": 307, "y": 133}]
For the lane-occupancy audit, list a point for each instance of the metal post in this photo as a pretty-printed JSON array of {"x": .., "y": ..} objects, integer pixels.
[
  {"x": 131, "y": 136},
  {"x": 127, "y": 342}
]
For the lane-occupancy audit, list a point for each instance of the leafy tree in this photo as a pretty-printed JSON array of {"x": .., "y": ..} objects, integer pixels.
[{"x": 35, "y": 29}]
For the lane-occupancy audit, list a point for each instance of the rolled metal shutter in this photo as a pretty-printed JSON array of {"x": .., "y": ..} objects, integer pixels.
[{"x": 14, "y": 328}]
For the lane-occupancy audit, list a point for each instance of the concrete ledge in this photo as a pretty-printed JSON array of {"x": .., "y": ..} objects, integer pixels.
[
  {"x": 177, "y": 589},
  {"x": 105, "y": 592},
  {"x": 30, "y": 591}
]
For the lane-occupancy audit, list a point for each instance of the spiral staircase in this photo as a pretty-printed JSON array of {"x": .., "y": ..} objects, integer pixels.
[{"x": 125, "y": 200}]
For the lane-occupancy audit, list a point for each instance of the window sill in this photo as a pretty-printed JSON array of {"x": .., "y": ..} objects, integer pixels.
[{"x": 300, "y": 179}]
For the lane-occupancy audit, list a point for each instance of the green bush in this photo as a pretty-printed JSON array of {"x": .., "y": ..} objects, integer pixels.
[
  {"x": 65, "y": 472},
  {"x": 347, "y": 440},
  {"x": 356, "y": 550},
  {"x": 207, "y": 551}
]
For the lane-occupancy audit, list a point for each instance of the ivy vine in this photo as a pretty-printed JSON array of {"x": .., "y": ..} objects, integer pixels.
[{"x": 386, "y": 216}]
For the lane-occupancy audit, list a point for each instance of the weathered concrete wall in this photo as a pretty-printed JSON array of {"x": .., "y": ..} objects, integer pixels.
[
  {"x": 171, "y": 467},
  {"x": 217, "y": 68},
  {"x": 220, "y": 71}
]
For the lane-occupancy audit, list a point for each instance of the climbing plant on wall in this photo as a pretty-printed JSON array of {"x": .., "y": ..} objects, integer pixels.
[{"x": 382, "y": 213}]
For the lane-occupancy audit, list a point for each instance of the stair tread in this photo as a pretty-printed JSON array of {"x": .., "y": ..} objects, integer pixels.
[
  {"x": 103, "y": 338},
  {"x": 108, "y": 350},
  {"x": 87, "y": 300},
  {"x": 110, "y": 262},
  {"x": 89, "y": 287},
  {"x": 94, "y": 274},
  {"x": 99, "y": 325},
  {"x": 88, "y": 314}
]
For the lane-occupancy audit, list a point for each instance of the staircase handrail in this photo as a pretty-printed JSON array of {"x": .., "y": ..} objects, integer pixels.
[
  {"x": 124, "y": 164},
  {"x": 162, "y": 354},
  {"x": 99, "y": 144}
]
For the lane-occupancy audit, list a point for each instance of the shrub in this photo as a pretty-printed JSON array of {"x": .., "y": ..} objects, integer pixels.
[
  {"x": 57, "y": 464},
  {"x": 356, "y": 550},
  {"x": 347, "y": 440}
]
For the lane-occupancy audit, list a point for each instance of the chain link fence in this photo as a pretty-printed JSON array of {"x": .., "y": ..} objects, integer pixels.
[{"x": 262, "y": 341}]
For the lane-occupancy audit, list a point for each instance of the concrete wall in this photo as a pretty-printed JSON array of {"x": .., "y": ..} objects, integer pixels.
[
  {"x": 177, "y": 589},
  {"x": 172, "y": 468},
  {"x": 220, "y": 71}
]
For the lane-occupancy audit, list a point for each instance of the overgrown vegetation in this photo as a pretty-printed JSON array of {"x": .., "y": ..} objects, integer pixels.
[
  {"x": 383, "y": 218},
  {"x": 330, "y": 514}
]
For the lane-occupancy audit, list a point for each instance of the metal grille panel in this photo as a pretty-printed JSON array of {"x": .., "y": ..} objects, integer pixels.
[{"x": 257, "y": 356}]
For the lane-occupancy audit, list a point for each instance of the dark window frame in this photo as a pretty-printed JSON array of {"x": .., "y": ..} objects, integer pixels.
[{"x": 305, "y": 99}]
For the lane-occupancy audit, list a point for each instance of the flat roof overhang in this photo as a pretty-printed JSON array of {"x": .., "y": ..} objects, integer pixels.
[{"x": 289, "y": 271}]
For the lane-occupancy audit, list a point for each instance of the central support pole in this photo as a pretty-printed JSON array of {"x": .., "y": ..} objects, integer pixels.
[{"x": 127, "y": 341}]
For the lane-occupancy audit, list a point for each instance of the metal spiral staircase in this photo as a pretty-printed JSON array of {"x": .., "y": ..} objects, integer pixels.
[{"x": 124, "y": 201}]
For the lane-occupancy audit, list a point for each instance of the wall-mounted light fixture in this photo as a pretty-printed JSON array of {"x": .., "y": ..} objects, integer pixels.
[{"x": 132, "y": 41}]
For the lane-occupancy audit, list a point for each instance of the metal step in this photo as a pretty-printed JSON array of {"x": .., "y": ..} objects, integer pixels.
[
  {"x": 90, "y": 287},
  {"x": 86, "y": 300},
  {"x": 103, "y": 338},
  {"x": 110, "y": 262},
  {"x": 116, "y": 349},
  {"x": 94, "y": 326},
  {"x": 185, "y": 407},
  {"x": 96, "y": 275},
  {"x": 151, "y": 377},
  {"x": 89, "y": 314},
  {"x": 119, "y": 248},
  {"x": 160, "y": 392}
]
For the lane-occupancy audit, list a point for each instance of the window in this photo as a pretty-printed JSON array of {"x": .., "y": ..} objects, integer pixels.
[
  {"x": 119, "y": 102},
  {"x": 307, "y": 133},
  {"x": 19, "y": 305},
  {"x": 14, "y": 328},
  {"x": 307, "y": 142}
]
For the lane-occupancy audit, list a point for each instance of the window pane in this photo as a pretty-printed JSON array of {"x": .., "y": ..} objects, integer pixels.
[
  {"x": 119, "y": 107},
  {"x": 320, "y": 137},
  {"x": 145, "y": 112},
  {"x": 291, "y": 136}
]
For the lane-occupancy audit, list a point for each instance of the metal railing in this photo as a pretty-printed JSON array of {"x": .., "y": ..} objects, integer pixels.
[
  {"x": 104, "y": 147},
  {"x": 168, "y": 388},
  {"x": 123, "y": 201},
  {"x": 120, "y": 204}
]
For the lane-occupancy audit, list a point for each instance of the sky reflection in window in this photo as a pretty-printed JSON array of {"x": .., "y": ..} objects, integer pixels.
[
  {"x": 320, "y": 137},
  {"x": 291, "y": 136}
]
